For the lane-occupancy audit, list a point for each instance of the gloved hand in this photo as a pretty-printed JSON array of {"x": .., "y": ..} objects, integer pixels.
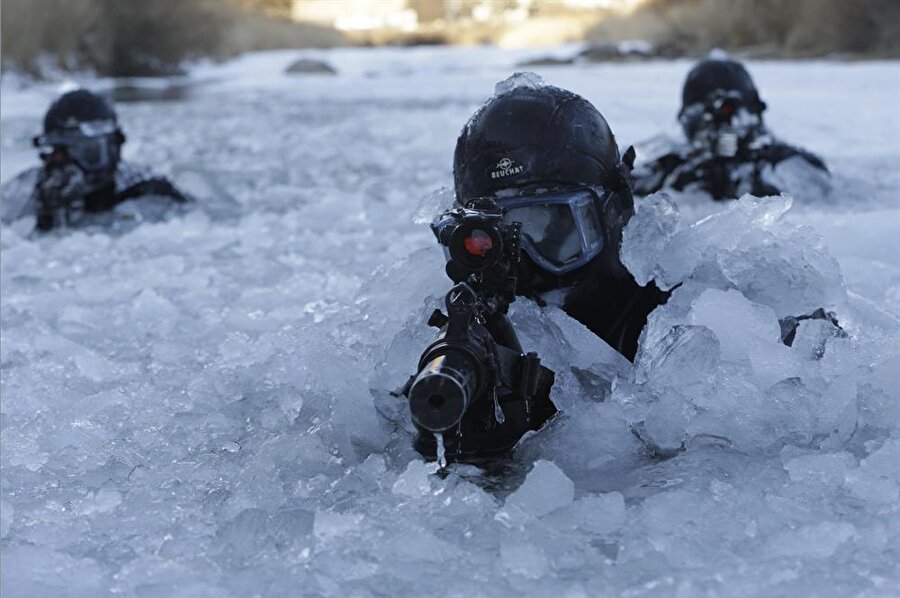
[{"x": 60, "y": 192}]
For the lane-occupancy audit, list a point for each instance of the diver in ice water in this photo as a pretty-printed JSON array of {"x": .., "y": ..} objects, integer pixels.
[
  {"x": 546, "y": 158},
  {"x": 549, "y": 159},
  {"x": 728, "y": 151},
  {"x": 83, "y": 179},
  {"x": 542, "y": 197}
]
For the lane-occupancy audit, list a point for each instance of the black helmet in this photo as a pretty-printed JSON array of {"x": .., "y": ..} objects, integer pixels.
[
  {"x": 720, "y": 74},
  {"x": 549, "y": 160},
  {"x": 534, "y": 135},
  {"x": 81, "y": 127},
  {"x": 76, "y": 107}
]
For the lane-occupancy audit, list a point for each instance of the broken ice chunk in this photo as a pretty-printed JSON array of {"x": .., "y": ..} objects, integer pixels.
[
  {"x": 738, "y": 323},
  {"x": 812, "y": 336},
  {"x": 829, "y": 469},
  {"x": 524, "y": 559},
  {"x": 818, "y": 541},
  {"x": 415, "y": 482},
  {"x": 647, "y": 235},
  {"x": 686, "y": 356},
  {"x": 546, "y": 488},
  {"x": 878, "y": 478},
  {"x": 6, "y": 516},
  {"x": 594, "y": 513},
  {"x": 516, "y": 80}
]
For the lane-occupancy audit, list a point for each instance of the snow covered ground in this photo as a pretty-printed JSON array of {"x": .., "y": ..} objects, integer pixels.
[{"x": 189, "y": 409}]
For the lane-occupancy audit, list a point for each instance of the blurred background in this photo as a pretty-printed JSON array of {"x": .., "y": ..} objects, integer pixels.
[
  {"x": 187, "y": 406},
  {"x": 154, "y": 38}
]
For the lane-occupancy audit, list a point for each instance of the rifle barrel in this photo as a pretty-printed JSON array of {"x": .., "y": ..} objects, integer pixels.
[{"x": 442, "y": 391}]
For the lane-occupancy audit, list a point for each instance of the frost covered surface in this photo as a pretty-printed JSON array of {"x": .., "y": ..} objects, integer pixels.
[{"x": 189, "y": 409}]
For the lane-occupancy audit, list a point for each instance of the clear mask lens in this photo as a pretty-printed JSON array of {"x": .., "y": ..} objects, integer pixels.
[
  {"x": 91, "y": 145},
  {"x": 91, "y": 154},
  {"x": 560, "y": 231}
]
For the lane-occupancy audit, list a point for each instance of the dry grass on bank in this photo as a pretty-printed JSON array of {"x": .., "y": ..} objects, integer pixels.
[
  {"x": 140, "y": 38},
  {"x": 776, "y": 28},
  {"x": 540, "y": 30}
]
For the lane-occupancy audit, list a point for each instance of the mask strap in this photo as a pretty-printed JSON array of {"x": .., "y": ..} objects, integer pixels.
[{"x": 628, "y": 158}]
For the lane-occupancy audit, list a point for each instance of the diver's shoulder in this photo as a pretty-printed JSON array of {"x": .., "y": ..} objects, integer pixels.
[
  {"x": 134, "y": 180},
  {"x": 659, "y": 148},
  {"x": 776, "y": 151},
  {"x": 129, "y": 174}
]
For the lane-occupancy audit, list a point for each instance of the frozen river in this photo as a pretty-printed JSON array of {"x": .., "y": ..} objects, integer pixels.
[{"x": 189, "y": 409}]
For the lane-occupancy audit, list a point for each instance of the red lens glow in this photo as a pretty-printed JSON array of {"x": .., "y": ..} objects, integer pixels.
[
  {"x": 726, "y": 109},
  {"x": 479, "y": 243}
]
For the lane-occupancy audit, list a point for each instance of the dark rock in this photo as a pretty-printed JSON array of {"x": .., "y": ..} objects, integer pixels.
[
  {"x": 547, "y": 61},
  {"x": 629, "y": 51},
  {"x": 308, "y": 66},
  {"x": 135, "y": 90}
]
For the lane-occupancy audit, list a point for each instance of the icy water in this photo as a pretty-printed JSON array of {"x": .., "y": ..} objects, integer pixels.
[{"x": 200, "y": 407}]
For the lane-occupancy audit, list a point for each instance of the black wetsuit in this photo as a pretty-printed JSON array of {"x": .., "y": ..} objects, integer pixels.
[
  {"x": 21, "y": 195},
  {"x": 688, "y": 166}
]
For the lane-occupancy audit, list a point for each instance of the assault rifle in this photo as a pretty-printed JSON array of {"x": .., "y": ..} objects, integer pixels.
[
  {"x": 59, "y": 195},
  {"x": 476, "y": 393}
]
